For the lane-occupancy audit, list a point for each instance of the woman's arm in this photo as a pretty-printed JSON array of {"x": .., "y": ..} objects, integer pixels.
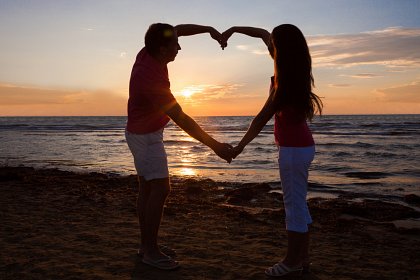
[
  {"x": 257, "y": 125},
  {"x": 250, "y": 31}
]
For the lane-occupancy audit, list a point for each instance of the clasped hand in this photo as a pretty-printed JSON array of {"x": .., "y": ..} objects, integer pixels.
[
  {"x": 221, "y": 38},
  {"x": 227, "y": 151}
]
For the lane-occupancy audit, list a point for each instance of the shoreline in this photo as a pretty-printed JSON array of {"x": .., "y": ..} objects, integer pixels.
[{"x": 66, "y": 225}]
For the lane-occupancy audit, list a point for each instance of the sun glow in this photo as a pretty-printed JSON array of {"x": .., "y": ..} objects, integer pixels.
[
  {"x": 187, "y": 171},
  {"x": 187, "y": 93}
]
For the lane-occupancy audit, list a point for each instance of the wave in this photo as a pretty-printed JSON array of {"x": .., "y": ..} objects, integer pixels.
[
  {"x": 80, "y": 128},
  {"x": 179, "y": 142},
  {"x": 381, "y": 154},
  {"x": 341, "y": 154},
  {"x": 333, "y": 169},
  {"x": 11, "y": 126},
  {"x": 367, "y": 175},
  {"x": 357, "y": 144}
]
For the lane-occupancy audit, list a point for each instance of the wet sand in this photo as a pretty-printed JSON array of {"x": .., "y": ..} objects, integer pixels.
[{"x": 64, "y": 225}]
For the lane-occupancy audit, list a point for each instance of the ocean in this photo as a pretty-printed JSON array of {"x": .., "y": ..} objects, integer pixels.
[{"x": 375, "y": 155}]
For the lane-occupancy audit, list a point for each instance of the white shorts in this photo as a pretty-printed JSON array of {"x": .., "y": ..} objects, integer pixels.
[
  {"x": 294, "y": 165},
  {"x": 149, "y": 154}
]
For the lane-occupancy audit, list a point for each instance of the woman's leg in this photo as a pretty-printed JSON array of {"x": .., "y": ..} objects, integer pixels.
[
  {"x": 305, "y": 252},
  {"x": 296, "y": 243},
  {"x": 294, "y": 164}
]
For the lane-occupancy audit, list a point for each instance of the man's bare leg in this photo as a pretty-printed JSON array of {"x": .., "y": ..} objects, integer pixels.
[
  {"x": 142, "y": 198},
  {"x": 153, "y": 210}
]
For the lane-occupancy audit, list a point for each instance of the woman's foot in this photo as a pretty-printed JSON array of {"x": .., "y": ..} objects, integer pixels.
[
  {"x": 306, "y": 267},
  {"x": 164, "y": 262},
  {"x": 280, "y": 269},
  {"x": 164, "y": 249}
]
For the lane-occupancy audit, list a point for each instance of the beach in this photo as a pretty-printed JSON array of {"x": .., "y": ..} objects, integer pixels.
[{"x": 66, "y": 225}]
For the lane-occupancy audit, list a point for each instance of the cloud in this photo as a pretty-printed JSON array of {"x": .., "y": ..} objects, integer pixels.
[
  {"x": 21, "y": 95},
  {"x": 409, "y": 93},
  {"x": 339, "y": 85},
  {"x": 205, "y": 93},
  {"x": 363, "y": 76},
  {"x": 394, "y": 47},
  {"x": 261, "y": 52},
  {"x": 242, "y": 47},
  {"x": 254, "y": 49},
  {"x": 391, "y": 47},
  {"x": 24, "y": 100}
]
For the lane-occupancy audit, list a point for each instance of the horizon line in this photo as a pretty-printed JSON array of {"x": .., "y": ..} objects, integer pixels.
[{"x": 201, "y": 116}]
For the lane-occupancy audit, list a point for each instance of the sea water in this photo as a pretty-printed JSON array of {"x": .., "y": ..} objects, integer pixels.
[{"x": 378, "y": 155}]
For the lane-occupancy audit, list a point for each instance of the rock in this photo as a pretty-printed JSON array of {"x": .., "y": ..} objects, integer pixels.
[
  {"x": 246, "y": 192},
  {"x": 412, "y": 199},
  {"x": 379, "y": 210},
  {"x": 194, "y": 190},
  {"x": 14, "y": 173}
]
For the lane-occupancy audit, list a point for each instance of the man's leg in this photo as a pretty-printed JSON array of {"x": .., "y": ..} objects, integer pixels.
[
  {"x": 153, "y": 210},
  {"x": 142, "y": 198}
]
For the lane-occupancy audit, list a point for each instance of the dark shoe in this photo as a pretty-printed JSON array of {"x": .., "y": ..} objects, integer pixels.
[
  {"x": 164, "y": 264},
  {"x": 164, "y": 249}
]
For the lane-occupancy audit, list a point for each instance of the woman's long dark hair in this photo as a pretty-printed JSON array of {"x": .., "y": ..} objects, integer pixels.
[{"x": 293, "y": 80}]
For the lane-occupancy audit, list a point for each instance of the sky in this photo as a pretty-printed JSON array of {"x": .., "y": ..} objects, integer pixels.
[{"x": 74, "y": 58}]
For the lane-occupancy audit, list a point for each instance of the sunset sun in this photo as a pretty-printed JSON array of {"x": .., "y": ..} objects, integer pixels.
[{"x": 187, "y": 93}]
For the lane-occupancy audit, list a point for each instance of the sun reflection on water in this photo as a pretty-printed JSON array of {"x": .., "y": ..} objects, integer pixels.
[{"x": 185, "y": 171}]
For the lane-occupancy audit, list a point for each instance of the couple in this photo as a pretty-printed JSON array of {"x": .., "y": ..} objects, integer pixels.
[{"x": 291, "y": 101}]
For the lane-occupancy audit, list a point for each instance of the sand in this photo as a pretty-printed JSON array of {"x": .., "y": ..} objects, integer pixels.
[{"x": 64, "y": 225}]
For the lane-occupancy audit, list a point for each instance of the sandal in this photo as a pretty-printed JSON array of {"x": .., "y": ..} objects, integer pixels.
[
  {"x": 280, "y": 269},
  {"x": 164, "y": 264},
  {"x": 164, "y": 249},
  {"x": 306, "y": 268}
]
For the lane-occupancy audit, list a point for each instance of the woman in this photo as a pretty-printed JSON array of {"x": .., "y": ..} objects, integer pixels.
[{"x": 292, "y": 103}]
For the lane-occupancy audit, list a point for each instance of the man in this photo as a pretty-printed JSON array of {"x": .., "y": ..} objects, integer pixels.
[{"x": 150, "y": 107}]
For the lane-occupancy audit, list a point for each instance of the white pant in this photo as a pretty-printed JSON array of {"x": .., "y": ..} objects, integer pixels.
[
  {"x": 149, "y": 154},
  {"x": 294, "y": 164}
]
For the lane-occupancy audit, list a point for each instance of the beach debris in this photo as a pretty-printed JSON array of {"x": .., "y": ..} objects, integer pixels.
[{"x": 412, "y": 199}]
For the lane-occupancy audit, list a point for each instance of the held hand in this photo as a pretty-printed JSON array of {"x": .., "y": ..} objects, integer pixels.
[
  {"x": 236, "y": 151},
  {"x": 218, "y": 37},
  {"x": 226, "y": 35},
  {"x": 224, "y": 151}
]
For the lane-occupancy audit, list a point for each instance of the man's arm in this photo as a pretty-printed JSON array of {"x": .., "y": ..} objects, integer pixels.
[
  {"x": 193, "y": 29},
  {"x": 249, "y": 31},
  {"x": 187, "y": 124}
]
